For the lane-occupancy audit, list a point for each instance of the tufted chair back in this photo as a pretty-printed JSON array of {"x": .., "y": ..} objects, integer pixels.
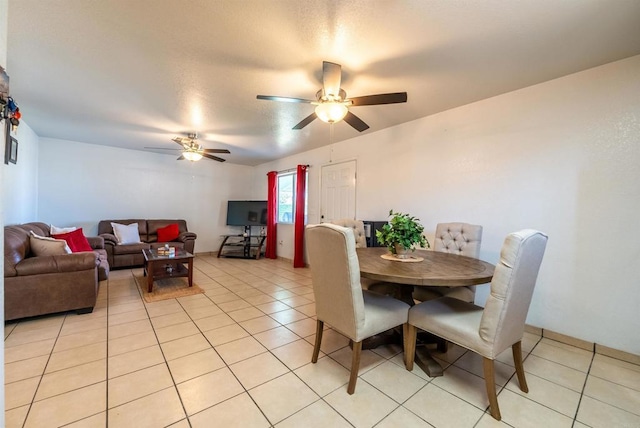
[
  {"x": 358, "y": 230},
  {"x": 459, "y": 238}
]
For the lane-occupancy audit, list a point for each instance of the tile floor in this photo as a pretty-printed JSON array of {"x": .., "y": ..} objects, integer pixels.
[{"x": 239, "y": 356}]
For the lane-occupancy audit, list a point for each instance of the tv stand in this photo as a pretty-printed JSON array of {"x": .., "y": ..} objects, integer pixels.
[{"x": 242, "y": 246}]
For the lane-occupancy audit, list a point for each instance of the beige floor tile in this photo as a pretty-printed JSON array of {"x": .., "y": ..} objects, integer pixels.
[
  {"x": 121, "y": 330},
  {"x": 184, "y": 423},
  {"x": 176, "y": 331},
  {"x": 464, "y": 385},
  {"x": 303, "y": 328},
  {"x": 245, "y": 314},
  {"x": 388, "y": 351},
  {"x": 25, "y": 369},
  {"x": 170, "y": 319},
  {"x": 237, "y": 412},
  {"x": 46, "y": 322},
  {"x": 28, "y": 350},
  {"x": 72, "y": 378},
  {"x": 296, "y": 301},
  {"x": 324, "y": 377},
  {"x": 394, "y": 381},
  {"x": 442, "y": 409},
  {"x": 295, "y": 354},
  {"x": 69, "y": 407},
  {"x": 317, "y": 415},
  {"x": 138, "y": 384},
  {"x": 204, "y": 311},
  {"x": 74, "y": 325},
  {"x": 145, "y": 411},
  {"x": 473, "y": 363},
  {"x": 125, "y": 307},
  {"x": 165, "y": 307},
  {"x": 219, "y": 299},
  {"x": 131, "y": 343},
  {"x": 365, "y": 408},
  {"x": 614, "y": 394},
  {"x": 288, "y": 316},
  {"x": 234, "y": 305},
  {"x": 282, "y": 397},
  {"x": 240, "y": 349},
  {"x": 273, "y": 307},
  {"x": 282, "y": 295},
  {"x": 213, "y": 322},
  {"x": 574, "y": 358},
  {"x": 597, "y": 414},
  {"x": 368, "y": 359},
  {"x": 616, "y": 371},
  {"x": 487, "y": 421},
  {"x": 95, "y": 421},
  {"x": 331, "y": 341},
  {"x": 548, "y": 394},
  {"x": 195, "y": 301},
  {"x": 208, "y": 390},
  {"x": 127, "y": 317},
  {"x": 519, "y": 411},
  {"x": 260, "y": 324},
  {"x": 555, "y": 372},
  {"x": 276, "y": 337},
  {"x": 80, "y": 339},
  {"x": 184, "y": 346},
  {"x": 29, "y": 336},
  {"x": 128, "y": 362},
  {"x": 14, "y": 418},
  {"x": 401, "y": 417},
  {"x": 257, "y": 370},
  {"x": 220, "y": 336},
  {"x": 17, "y": 394},
  {"x": 259, "y": 299},
  {"x": 194, "y": 365}
]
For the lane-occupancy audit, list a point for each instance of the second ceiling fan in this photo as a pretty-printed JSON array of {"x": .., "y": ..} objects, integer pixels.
[{"x": 332, "y": 104}]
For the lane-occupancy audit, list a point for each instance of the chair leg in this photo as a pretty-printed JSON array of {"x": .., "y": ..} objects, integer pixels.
[
  {"x": 355, "y": 366},
  {"x": 410, "y": 346},
  {"x": 517, "y": 359},
  {"x": 490, "y": 383},
  {"x": 316, "y": 347}
]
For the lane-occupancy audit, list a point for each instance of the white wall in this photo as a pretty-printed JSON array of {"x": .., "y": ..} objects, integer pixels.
[
  {"x": 562, "y": 157},
  {"x": 20, "y": 189},
  {"x": 81, "y": 184},
  {"x": 4, "y": 12}
]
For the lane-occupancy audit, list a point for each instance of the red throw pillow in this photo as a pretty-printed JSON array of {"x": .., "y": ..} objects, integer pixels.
[
  {"x": 168, "y": 233},
  {"x": 75, "y": 240}
]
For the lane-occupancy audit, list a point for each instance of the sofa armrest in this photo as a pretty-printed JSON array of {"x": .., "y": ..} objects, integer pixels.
[
  {"x": 109, "y": 239},
  {"x": 57, "y": 264},
  {"x": 186, "y": 236},
  {"x": 96, "y": 242}
]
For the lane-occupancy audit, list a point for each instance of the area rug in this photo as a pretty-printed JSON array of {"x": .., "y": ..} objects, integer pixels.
[{"x": 167, "y": 288}]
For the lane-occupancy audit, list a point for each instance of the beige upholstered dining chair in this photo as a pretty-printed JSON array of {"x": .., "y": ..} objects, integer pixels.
[
  {"x": 457, "y": 238},
  {"x": 340, "y": 300},
  {"x": 500, "y": 324},
  {"x": 358, "y": 230}
]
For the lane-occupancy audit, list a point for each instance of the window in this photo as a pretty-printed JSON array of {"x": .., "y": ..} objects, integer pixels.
[{"x": 287, "y": 198}]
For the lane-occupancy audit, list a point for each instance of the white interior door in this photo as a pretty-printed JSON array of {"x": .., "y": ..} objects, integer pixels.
[{"x": 338, "y": 191}]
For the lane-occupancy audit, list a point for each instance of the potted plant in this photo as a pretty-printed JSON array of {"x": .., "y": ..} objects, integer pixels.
[{"x": 401, "y": 233}]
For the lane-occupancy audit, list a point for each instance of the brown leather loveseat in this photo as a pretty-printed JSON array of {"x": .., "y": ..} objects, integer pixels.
[
  {"x": 38, "y": 285},
  {"x": 130, "y": 255}
]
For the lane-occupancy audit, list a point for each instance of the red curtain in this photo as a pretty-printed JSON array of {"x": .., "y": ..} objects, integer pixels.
[
  {"x": 272, "y": 205},
  {"x": 298, "y": 224}
]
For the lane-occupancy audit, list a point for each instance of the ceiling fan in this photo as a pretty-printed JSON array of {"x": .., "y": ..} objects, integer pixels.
[
  {"x": 193, "y": 151},
  {"x": 332, "y": 104}
]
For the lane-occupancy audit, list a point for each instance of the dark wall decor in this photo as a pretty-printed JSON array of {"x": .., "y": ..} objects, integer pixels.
[
  {"x": 13, "y": 150},
  {"x": 4, "y": 114}
]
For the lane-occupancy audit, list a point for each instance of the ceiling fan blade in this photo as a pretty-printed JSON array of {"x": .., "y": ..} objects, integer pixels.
[
  {"x": 304, "y": 122},
  {"x": 283, "y": 99},
  {"x": 181, "y": 158},
  {"x": 215, "y": 151},
  {"x": 180, "y": 141},
  {"x": 331, "y": 77},
  {"x": 160, "y": 148},
  {"x": 216, "y": 158},
  {"x": 370, "y": 100},
  {"x": 356, "y": 122}
]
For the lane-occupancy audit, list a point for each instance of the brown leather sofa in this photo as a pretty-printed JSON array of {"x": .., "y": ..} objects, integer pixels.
[
  {"x": 48, "y": 284},
  {"x": 130, "y": 255}
]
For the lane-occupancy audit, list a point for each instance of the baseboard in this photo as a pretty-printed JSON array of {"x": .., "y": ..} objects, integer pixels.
[{"x": 583, "y": 344}]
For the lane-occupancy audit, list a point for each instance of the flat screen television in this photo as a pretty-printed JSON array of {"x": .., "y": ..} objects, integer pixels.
[{"x": 247, "y": 213}]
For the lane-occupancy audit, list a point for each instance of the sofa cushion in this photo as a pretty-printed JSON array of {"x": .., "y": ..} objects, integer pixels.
[
  {"x": 130, "y": 248},
  {"x": 76, "y": 240},
  {"x": 60, "y": 230},
  {"x": 126, "y": 233},
  {"x": 45, "y": 246},
  {"x": 168, "y": 233}
]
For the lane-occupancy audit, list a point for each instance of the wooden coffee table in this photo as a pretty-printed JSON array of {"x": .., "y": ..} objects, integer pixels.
[{"x": 157, "y": 266}]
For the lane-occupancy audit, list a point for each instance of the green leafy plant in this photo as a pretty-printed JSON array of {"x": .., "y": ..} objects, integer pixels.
[{"x": 404, "y": 230}]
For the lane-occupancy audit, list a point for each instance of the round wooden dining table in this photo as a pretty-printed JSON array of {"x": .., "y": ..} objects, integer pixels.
[{"x": 436, "y": 269}]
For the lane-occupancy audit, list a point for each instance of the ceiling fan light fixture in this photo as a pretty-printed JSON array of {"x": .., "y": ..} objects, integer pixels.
[
  {"x": 331, "y": 112},
  {"x": 192, "y": 156}
]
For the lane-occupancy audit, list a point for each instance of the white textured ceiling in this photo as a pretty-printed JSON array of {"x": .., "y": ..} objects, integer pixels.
[{"x": 136, "y": 73}]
